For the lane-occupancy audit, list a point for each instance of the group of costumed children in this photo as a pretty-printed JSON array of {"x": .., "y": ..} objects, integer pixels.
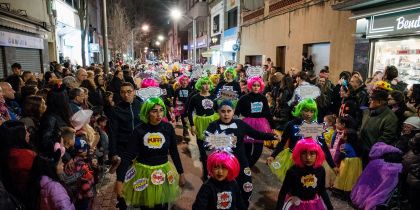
[{"x": 152, "y": 182}]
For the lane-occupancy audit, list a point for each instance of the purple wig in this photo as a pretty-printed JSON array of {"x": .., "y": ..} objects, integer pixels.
[
  {"x": 149, "y": 82},
  {"x": 253, "y": 80},
  {"x": 309, "y": 145},
  {"x": 182, "y": 78},
  {"x": 225, "y": 159}
]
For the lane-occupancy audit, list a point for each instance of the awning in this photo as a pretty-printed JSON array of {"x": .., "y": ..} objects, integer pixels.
[{"x": 207, "y": 54}]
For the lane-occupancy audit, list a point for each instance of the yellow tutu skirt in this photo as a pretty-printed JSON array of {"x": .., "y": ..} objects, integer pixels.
[
  {"x": 148, "y": 186},
  {"x": 350, "y": 170},
  {"x": 281, "y": 164}
]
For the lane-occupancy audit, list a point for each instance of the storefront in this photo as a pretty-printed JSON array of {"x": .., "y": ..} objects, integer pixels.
[
  {"x": 395, "y": 40},
  {"x": 68, "y": 35}
]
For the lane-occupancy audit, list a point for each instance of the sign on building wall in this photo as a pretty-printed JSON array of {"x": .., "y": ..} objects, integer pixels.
[
  {"x": 395, "y": 23},
  {"x": 18, "y": 40}
]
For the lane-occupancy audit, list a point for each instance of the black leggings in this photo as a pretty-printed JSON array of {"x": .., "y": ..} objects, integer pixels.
[
  {"x": 253, "y": 152},
  {"x": 203, "y": 157}
]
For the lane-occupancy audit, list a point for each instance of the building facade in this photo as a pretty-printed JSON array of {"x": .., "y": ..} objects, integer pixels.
[
  {"x": 24, "y": 35},
  {"x": 388, "y": 33},
  {"x": 285, "y": 31}
]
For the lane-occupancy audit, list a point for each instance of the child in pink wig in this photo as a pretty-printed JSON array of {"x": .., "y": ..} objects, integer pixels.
[
  {"x": 149, "y": 82},
  {"x": 256, "y": 112},
  {"x": 180, "y": 101},
  {"x": 220, "y": 191},
  {"x": 304, "y": 185}
]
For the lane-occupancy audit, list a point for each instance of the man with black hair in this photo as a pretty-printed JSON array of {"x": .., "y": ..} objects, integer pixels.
[
  {"x": 391, "y": 76},
  {"x": 122, "y": 120}
]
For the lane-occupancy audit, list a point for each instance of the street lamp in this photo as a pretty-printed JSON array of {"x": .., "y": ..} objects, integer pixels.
[
  {"x": 160, "y": 38},
  {"x": 176, "y": 14},
  {"x": 145, "y": 48},
  {"x": 157, "y": 43},
  {"x": 145, "y": 27}
]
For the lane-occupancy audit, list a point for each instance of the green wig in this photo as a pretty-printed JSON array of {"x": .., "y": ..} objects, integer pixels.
[
  {"x": 306, "y": 104},
  {"x": 230, "y": 70},
  {"x": 148, "y": 105},
  {"x": 203, "y": 80}
]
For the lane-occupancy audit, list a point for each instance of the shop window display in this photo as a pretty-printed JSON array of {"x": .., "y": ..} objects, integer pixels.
[{"x": 404, "y": 54}]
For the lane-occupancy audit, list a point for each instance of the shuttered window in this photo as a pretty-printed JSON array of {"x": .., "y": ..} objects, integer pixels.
[{"x": 29, "y": 59}]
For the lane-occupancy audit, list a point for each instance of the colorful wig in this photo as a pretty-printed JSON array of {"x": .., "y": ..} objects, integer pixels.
[
  {"x": 252, "y": 80},
  {"x": 148, "y": 105},
  {"x": 308, "y": 145},
  {"x": 225, "y": 159},
  {"x": 214, "y": 78},
  {"x": 201, "y": 81},
  {"x": 149, "y": 82},
  {"x": 225, "y": 102},
  {"x": 306, "y": 104},
  {"x": 183, "y": 77},
  {"x": 164, "y": 79},
  {"x": 230, "y": 70}
]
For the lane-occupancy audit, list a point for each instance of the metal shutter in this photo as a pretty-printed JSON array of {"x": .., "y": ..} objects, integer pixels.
[
  {"x": 1, "y": 63},
  {"x": 29, "y": 59}
]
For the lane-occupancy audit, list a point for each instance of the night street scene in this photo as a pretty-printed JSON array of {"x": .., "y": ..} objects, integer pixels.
[{"x": 209, "y": 104}]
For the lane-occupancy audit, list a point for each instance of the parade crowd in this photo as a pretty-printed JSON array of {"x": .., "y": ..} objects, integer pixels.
[{"x": 62, "y": 130}]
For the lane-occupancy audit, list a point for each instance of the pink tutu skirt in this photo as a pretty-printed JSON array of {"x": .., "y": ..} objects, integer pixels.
[
  {"x": 259, "y": 124},
  {"x": 315, "y": 204}
]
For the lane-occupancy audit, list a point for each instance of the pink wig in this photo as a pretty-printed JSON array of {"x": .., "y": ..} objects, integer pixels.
[
  {"x": 149, "y": 82},
  {"x": 182, "y": 78},
  {"x": 225, "y": 159},
  {"x": 253, "y": 80},
  {"x": 309, "y": 145}
]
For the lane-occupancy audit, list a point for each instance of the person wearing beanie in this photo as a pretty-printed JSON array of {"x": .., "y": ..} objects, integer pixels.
[
  {"x": 410, "y": 128},
  {"x": 379, "y": 123}
]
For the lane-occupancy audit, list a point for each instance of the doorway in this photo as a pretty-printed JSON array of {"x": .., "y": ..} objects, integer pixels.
[{"x": 281, "y": 58}]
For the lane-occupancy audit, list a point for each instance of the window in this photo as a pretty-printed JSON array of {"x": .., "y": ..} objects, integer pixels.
[
  {"x": 232, "y": 18},
  {"x": 216, "y": 23}
]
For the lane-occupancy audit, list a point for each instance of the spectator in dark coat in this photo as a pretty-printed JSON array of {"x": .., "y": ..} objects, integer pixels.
[{"x": 379, "y": 123}]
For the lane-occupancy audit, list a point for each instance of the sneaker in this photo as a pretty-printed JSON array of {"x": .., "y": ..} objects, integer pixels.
[{"x": 114, "y": 165}]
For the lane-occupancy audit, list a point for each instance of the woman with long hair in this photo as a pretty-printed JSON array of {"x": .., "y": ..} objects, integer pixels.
[
  {"x": 33, "y": 109},
  {"x": 56, "y": 116}
]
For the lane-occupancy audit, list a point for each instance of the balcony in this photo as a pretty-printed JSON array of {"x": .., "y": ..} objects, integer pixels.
[{"x": 359, "y": 4}]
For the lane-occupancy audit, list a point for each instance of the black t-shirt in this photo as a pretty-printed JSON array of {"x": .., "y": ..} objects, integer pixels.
[
  {"x": 201, "y": 106},
  {"x": 255, "y": 106},
  {"x": 218, "y": 195},
  {"x": 304, "y": 183}
]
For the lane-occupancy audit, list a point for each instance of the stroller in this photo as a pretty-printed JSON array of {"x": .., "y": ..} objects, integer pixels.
[{"x": 378, "y": 186}]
